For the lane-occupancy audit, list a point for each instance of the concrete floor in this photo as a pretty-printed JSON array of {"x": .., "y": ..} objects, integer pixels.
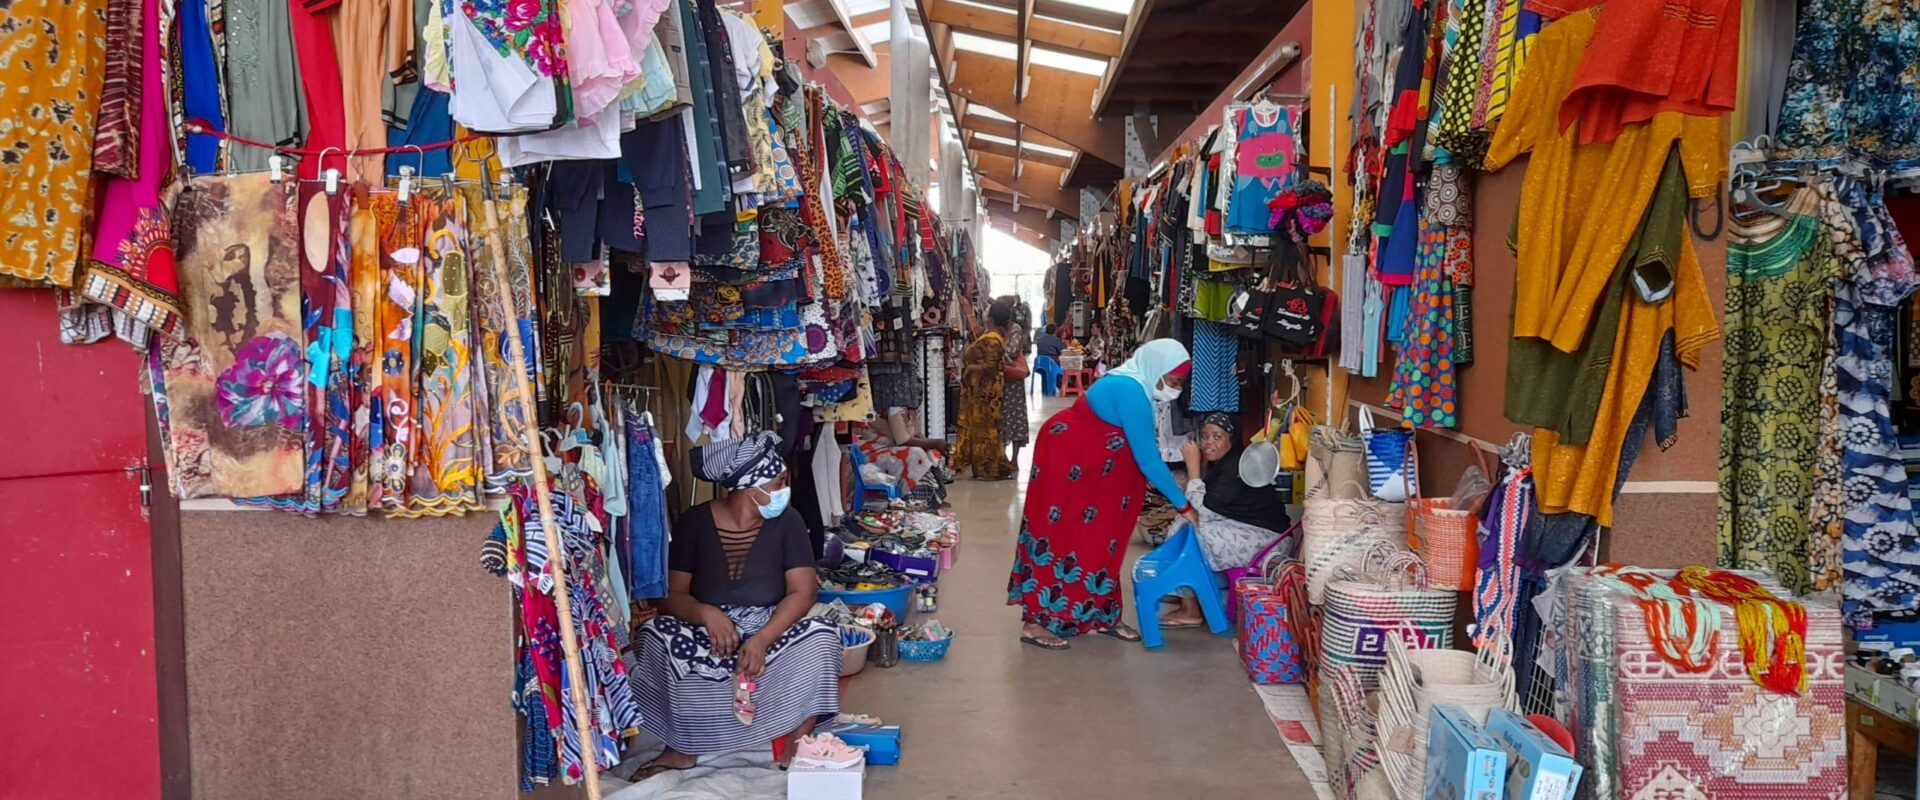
[{"x": 1106, "y": 719}]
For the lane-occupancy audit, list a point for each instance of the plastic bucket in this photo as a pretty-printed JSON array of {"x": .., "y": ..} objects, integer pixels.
[{"x": 896, "y": 598}]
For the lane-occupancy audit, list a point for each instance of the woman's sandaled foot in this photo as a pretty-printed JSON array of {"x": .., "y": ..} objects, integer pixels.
[
  {"x": 669, "y": 761},
  {"x": 1042, "y": 638},
  {"x": 1124, "y": 633},
  {"x": 1177, "y": 621}
]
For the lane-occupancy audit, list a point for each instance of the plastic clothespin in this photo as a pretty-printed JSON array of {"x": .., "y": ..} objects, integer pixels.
[
  {"x": 277, "y": 166},
  {"x": 333, "y": 182},
  {"x": 406, "y": 184}
]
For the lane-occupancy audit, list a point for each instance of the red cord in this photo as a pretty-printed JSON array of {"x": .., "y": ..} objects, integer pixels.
[{"x": 199, "y": 126}]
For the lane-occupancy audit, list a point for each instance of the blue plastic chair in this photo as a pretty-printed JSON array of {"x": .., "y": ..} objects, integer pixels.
[
  {"x": 860, "y": 486},
  {"x": 1049, "y": 372},
  {"x": 1177, "y": 563}
]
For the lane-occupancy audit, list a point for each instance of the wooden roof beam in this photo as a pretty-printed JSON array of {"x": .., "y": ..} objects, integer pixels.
[
  {"x": 1065, "y": 37},
  {"x": 1111, "y": 21},
  {"x": 841, "y": 12},
  {"x": 1028, "y": 216},
  {"x": 1025, "y": 159},
  {"x": 985, "y": 124},
  {"x": 1038, "y": 182},
  {"x": 1023, "y": 25},
  {"x": 1062, "y": 111},
  {"x": 1039, "y": 240}
]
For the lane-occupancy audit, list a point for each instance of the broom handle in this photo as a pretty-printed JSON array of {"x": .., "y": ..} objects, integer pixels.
[{"x": 543, "y": 495}]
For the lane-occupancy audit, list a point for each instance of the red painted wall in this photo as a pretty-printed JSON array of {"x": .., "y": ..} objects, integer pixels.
[{"x": 78, "y": 713}]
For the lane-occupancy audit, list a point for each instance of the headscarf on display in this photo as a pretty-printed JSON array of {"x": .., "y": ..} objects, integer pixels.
[
  {"x": 1231, "y": 497},
  {"x": 742, "y": 462},
  {"x": 1153, "y": 361}
]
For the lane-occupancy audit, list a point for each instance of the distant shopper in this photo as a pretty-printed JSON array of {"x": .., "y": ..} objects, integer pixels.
[
  {"x": 977, "y": 450},
  {"x": 1092, "y": 463},
  {"x": 1013, "y": 405},
  {"x": 733, "y": 662},
  {"x": 1047, "y": 360}
]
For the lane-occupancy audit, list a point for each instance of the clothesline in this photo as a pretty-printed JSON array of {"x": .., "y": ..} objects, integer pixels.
[{"x": 200, "y": 127}]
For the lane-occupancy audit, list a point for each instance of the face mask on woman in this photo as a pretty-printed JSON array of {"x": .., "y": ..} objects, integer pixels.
[
  {"x": 777, "y": 501},
  {"x": 1165, "y": 393}
]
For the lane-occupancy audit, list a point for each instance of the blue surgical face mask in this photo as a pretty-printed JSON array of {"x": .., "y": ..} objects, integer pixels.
[{"x": 777, "y": 501}]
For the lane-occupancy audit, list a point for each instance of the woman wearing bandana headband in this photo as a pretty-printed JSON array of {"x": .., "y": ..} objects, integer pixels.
[{"x": 732, "y": 662}]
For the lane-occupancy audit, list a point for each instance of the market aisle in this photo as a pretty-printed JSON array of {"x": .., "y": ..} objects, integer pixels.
[{"x": 998, "y": 719}]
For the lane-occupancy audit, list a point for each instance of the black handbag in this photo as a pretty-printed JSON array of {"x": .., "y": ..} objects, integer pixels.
[{"x": 1295, "y": 314}]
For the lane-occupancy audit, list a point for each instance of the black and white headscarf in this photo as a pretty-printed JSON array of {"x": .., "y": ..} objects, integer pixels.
[{"x": 739, "y": 463}]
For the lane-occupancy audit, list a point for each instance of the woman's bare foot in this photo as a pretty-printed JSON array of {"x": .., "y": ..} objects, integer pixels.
[
  {"x": 1186, "y": 616},
  {"x": 669, "y": 760}
]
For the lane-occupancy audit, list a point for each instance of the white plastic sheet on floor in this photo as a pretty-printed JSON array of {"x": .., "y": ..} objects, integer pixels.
[{"x": 734, "y": 776}]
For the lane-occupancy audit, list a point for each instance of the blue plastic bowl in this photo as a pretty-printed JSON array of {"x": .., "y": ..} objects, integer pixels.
[{"x": 896, "y": 598}]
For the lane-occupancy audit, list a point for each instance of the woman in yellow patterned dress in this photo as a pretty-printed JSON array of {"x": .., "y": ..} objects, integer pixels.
[{"x": 978, "y": 452}]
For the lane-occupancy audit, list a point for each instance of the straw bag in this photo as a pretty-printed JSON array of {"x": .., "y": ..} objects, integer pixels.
[
  {"x": 1393, "y": 471},
  {"x": 1414, "y": 682},
  {"x": 1386, "y": 597},
  {"x": 1447, "y": 538},
  {"x": 1347, "y": 730},
  {"x": 1334, "y": 532},
  {"x": 1270, "y": 639},
  {"x": 1336, "y": 464}
]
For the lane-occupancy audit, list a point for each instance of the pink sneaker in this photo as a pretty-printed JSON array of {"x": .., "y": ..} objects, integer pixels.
[{"x": 826, "y": 751}]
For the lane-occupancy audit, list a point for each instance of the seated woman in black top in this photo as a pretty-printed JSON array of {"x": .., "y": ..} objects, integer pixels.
[{"x": 734, "y": 662}]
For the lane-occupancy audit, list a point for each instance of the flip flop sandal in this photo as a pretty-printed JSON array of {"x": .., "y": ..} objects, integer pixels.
[
  {"x": 1046, "y": 642},
  {"x": 1129, "y": 634},
  {"x": 1167, "y": 623}
]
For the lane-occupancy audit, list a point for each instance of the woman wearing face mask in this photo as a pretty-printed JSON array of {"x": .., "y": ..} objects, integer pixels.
[
  {"x": 1092, "y": 463},
  {"x": 731, "y": 663},
  {"x": 1237, "y": 521}
]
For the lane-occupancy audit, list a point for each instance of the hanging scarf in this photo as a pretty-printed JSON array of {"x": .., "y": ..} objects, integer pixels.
[
  {"x": 1496, "y": 597},
  {"x": 1773, "y": 632}
]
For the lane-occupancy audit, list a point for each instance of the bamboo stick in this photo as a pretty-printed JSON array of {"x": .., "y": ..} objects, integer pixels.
[{"x": 543, "y": 494}]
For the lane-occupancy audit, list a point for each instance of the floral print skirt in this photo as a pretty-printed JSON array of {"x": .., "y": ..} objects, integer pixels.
[{"x": 1083, "y": 497}]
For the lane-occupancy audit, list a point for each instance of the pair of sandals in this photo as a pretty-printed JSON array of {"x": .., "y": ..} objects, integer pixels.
[{"x": 1123, "y": 632}]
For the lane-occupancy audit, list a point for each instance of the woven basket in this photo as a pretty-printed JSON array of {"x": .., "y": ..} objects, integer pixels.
[
  {"x": 1447, "y": 541},
  {"x": 1414, "y": 682},
  {"x": 1337, "y": 532},
  {"x": 1336, "y": 464},
  {"x": 1387, "y": 597}
]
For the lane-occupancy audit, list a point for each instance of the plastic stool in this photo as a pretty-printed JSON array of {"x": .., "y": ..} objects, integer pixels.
[
  {"x": 1073, "y": 382},
  {"x": 1175, "y": 564},
  {"x": 860, "y": 485}
]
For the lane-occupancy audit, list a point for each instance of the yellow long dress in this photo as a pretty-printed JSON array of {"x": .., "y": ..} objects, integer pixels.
[{"x": 1580, "y": 205}]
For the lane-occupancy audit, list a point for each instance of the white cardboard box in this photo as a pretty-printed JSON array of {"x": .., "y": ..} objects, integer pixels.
[{"x": 811, "y": 783}]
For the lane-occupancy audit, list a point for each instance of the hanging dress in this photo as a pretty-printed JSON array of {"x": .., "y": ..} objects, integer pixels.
[{"x": 1779, "y": 278}]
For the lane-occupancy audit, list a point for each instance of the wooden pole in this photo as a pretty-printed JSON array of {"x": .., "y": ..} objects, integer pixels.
[{"x": 543, "y": 494}]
